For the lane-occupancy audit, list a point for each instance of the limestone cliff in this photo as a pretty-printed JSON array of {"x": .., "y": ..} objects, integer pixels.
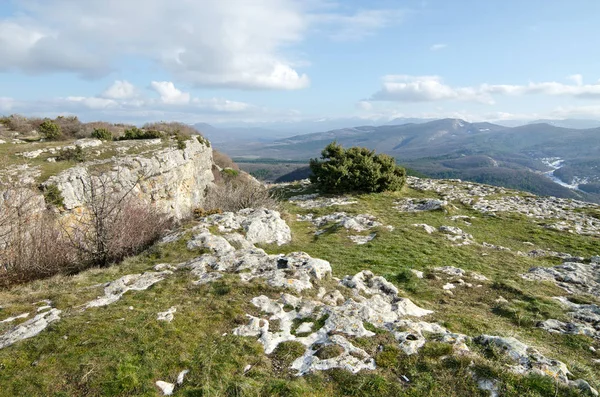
[{"x": 172, "y": 179}]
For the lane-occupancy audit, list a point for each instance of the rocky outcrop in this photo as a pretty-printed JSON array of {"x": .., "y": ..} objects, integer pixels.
[
  {"x": 260, "y": 226},
  {"x": 171, "y": 179}
]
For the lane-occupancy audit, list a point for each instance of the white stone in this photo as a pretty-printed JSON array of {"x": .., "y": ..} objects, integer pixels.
[
  {"x": 132, "y": 282},
  {"x": 166, "y": 387},
  {"x": 11, "y": 319},
  {"x": 29, "y": 328},
  {"x": 428, "y": 229},
  {"x": 167, "y": 315},
  {"x": 181, "y": 376}
]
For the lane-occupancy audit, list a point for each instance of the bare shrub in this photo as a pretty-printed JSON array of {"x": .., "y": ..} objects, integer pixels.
[
  {"x": 32, "y": 245},
  {"x": 70, "y": 126},
  {"x": 236, "y": 193},
  {"x": 114, "y": 224},
  {"x": 18, "y": 123},
  {"x": 224, "y": 161}
]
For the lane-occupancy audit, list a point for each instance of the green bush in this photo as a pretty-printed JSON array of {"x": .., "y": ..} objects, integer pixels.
[
  {"x": 50, "y": 130},
  {"x": 203, "y": 140},
  {"x": 181, "y": 140},
  {"x": 69, "y": 154},
  {"x": 355, "y": 169},
  {"x": 102, "y": 134},
  {"x": 136, "y": 133},
  {"x": 53, "y": 196}
]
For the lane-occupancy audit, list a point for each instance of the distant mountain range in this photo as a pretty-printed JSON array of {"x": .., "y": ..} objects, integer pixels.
[
  {"x": 542, "y": 158},
  {"x": 269, "y": 131}
]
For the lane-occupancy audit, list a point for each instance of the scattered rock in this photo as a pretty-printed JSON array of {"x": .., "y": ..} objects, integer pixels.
[
  {"x": 166, "y": 387},
  {"x": 261, "y": 226},
  {"x": 495, "y": 247},
  {"x": 360, "y": 240},
  {"x": 574, "y": 277},
  {"x": 29, "y": 328},
  {"x": 357, "y": 223},
  {"x": 181, "y": 376},
  {"x": 527, "y": 359},
  {"x": 450, "y": 271},
  {"x": 586, "y": 320},
  {"x": 428, "y": 229},
  {"x": 167, "y": 316},
  {"x": 132, "y": 282},
  {"x": 11, "y": 319},
  {"x": 310, "y": 201},
  {"x": 419, "y": 205}
]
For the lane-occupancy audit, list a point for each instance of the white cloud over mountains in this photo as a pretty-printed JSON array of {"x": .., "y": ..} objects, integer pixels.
[
  {"x": 405, "y": 88},
  {"x": 210, "y": 43},
  {"x": 224, "y": 43},
  {"x": 123, "y": 101}
]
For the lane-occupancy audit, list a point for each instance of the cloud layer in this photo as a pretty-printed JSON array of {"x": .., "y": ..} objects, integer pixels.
[
  {"x": 405, "y": 88},
  {"x": 226, "y": 43}
]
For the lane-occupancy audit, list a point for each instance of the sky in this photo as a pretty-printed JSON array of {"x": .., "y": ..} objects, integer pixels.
[{"x": 260, "y": 61}]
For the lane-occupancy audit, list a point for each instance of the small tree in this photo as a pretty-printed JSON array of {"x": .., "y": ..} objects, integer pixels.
[
  {"x": 355, "y": 169},
  {"x": 103, "y": 134},
  {"x": 50, "y": 130}
]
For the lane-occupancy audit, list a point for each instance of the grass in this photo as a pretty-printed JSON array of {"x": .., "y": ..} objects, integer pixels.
[{"x": 122, "y": 349}]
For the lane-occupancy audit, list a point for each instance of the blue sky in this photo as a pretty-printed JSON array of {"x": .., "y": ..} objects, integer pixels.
[{"x": 273, "y": 60}]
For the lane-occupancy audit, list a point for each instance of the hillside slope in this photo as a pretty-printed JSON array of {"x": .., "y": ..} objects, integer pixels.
[{"x": 446, "y": 288}]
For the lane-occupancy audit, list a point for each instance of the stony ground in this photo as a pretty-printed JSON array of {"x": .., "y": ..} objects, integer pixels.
[{"x": 446, "y": 288}]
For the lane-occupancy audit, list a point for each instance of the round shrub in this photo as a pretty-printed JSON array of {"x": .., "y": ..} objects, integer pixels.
[
  {"x": 50, "y": 130},
  {"x": 355, "y": 169},
  {"x": 103, "y": 134}
]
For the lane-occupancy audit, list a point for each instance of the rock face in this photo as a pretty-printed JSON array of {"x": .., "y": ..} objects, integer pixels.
[{"x": 171, "y": 179}]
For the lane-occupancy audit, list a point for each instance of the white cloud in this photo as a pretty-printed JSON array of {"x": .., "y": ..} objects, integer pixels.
[
  {"x": 589, "y": 111},
  {"x": 364, "y": 105},
  {"x": 6, "y": 104},
  {"x": 437, "y": 47},
  {"x": 222, "y": 43},
  {"x": 405, "y": 88},
  {"x": 169, "y": 94},
  {"x": 173, "y": 104},
  {"x": 93, "y": 103},
  {"x": 120, "y": 89},
  {"x": 359, "y": 25},
  {"x": 576, "y": 78}
]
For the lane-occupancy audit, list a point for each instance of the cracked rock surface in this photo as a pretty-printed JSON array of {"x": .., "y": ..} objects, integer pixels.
[{"x": 29, "y": 328}]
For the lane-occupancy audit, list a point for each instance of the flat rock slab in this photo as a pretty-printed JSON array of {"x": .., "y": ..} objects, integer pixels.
[{"x": 30, "y": 328}]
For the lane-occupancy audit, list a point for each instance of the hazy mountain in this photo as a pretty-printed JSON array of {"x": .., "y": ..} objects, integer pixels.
[
  {"x": 566, "y": 123},
  {"x": 541, "y": 158},
  {"x": 570, "y": 123}
]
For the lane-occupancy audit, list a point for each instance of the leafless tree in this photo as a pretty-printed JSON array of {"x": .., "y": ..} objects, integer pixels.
[{"x": 113, "y": 223}]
